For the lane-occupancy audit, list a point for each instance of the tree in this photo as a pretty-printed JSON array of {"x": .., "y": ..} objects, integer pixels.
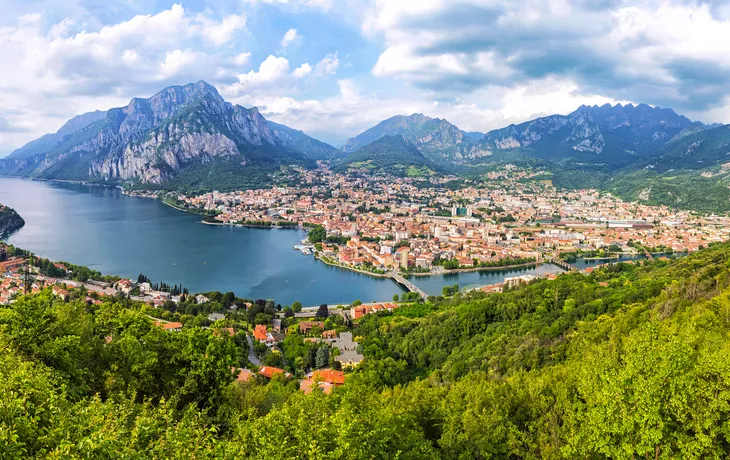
[
  {"x": 395, "y": 297},
  {"x": 323, "y": 357},
  {"x": 357, "y": 303},
  {"x": 228, "y": 299},
  {"x": 296, "y": 307},
  {"x": 323, "y": 311},
  {"x": 317, "y": 234}
]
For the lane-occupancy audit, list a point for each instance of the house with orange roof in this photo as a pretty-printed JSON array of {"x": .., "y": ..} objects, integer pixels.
[
  {"x": 242, "y": 375},
  {"x": 173, "y": 326},
  {"x": 324, "y": 379},
  {"x": 270, "y": 372},
  {"x": 259, "y": 333},
  {"x": 331, "y": 334},
  {"x": 305, "y": 327}
]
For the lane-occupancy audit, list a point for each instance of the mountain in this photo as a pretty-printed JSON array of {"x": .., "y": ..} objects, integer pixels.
[
  {"x": 47, "y": 141},
  {"x": 182, "y": 136},
  {"x": 300, "y": 142},
  {"x": 698, "y": 149},
  {"x": 614, "y": 135},
  {"x": 437, "y": 139},
  {"x": 389, "y": 154}
]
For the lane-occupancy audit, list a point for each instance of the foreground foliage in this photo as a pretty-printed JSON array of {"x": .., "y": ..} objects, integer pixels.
[{"x": 628, "y": 361}]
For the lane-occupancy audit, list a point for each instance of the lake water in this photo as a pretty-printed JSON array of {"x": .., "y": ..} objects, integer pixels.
[
  {"x": 101, "y": 228},
  {"x": 581, "y": 263}
]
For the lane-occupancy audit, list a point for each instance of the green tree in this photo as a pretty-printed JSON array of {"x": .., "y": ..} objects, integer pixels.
[
  {"x": 323, "y": 311},
  {"x": 323, "y": 357}
]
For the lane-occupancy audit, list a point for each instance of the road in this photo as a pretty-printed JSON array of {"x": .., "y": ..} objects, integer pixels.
[{"x": 251, "y": 355}]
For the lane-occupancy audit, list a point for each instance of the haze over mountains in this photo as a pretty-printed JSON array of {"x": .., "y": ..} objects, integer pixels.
[{"x": 190, "y": 135}]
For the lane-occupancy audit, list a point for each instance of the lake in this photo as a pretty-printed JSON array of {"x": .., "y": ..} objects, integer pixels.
[{"x": 103, "y": 229}]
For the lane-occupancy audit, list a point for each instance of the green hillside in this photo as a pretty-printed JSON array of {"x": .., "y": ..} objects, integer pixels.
[
  {"x": 629, "y": 361},
  {"x": 389, "y": 155}
]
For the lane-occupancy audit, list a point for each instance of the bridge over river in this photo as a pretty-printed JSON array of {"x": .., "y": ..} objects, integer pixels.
[{"x": 407, "y": 284}]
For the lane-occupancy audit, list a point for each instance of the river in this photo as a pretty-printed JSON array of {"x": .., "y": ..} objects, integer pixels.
[{"x": 103, "y": 229}]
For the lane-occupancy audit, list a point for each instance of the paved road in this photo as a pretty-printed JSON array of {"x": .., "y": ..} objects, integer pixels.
[{"x": 251, "y": 355}]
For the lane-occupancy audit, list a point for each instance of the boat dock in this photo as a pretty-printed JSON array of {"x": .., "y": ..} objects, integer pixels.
[{"x": 306, "y": 250}]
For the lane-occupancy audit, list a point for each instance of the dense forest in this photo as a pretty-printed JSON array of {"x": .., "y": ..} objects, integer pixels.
[{"x": 628, "y": 361}]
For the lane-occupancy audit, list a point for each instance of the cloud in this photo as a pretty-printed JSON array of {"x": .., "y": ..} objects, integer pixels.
[
  {"x": 274, "y": 78},
  {"x": 272, "y": 69},
  {"x": 350, "y": 112},
  {"x": 241, "y": 59},
  {"x": 303, "y": 70},
  {"x": 296, "y": 4},
  {"x": 328, "y": 65},
  {"x": 220, "y": 33},
  {"x": 51, "y": 75},
  {"x": 663, "y": 52},
  {"x": 290, "y": 37},
  {"x": 175, "y": 61}
]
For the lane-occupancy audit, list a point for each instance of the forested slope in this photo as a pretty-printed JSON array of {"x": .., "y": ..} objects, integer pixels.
[{"x": 627, "y": 361}]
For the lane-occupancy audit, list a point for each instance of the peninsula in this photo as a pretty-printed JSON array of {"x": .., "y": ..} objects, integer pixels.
[{"x": 10, "y": 221}]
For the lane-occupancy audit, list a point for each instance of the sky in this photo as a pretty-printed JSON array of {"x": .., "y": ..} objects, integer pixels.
[{"x": 333, "y": 68}]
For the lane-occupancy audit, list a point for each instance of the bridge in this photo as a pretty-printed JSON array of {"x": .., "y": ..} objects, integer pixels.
[
  {"x": 407, "y": 284},
  {"x": 561, "y": 263},
  {"x": 648, "y": 254}
]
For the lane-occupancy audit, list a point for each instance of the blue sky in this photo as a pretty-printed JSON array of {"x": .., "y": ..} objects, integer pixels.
[{"x": 336, "y": 67}]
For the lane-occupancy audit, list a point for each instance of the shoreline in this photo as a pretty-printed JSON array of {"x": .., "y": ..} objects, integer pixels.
[
  {"x": 480, "y": 269},
  {"x": 224, "y": 224},
  {"x": 352, "y": 269}
]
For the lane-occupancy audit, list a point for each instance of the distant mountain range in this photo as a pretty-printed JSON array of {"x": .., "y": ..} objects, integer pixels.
[{"x": 188, "y": 137}]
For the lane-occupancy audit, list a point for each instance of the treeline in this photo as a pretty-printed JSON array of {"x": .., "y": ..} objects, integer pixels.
[{"x": 632, "y": 360}]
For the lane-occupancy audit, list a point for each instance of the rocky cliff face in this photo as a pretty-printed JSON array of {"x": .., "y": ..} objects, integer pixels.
[{"x": 152, "y": 140}]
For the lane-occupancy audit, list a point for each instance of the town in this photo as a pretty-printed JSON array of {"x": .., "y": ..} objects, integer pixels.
[{"x": 380, "y": 224}]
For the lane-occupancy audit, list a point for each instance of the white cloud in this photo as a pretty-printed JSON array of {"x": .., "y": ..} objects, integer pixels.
[
  {"x": 669, "y": 52},
  {"x": 50, "y": 76},
  {"x": 241, "y": 59},
  {"x": 348, "y": 90},
  {"x": 271, "y": 70},
  {"x": 290, "y": 37},
  {"x": 321, "y": 4},
  {"x": 220, "y": 33},
  {"x": 302, "y": 71},
  {"x": 175, "y": 61},
  {"x": 328, "y": 65}
]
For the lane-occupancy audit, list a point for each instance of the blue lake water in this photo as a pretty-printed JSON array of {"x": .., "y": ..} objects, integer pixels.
[{"x": 103, "y": 229}]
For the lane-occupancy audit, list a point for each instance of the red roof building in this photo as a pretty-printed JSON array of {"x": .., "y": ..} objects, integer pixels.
[
  {"x": 269, "y": 372},
  {"x": 259, "y": 333}
]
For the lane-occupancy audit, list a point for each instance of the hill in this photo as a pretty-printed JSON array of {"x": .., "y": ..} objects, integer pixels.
[
  {"x": 175, "y": 138},
  {"x": 10, "y": 221},
  {"x": 389, "y": 155},
  {"x": 437, "y": 139},
  {"x": 628, "y": 361}
]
